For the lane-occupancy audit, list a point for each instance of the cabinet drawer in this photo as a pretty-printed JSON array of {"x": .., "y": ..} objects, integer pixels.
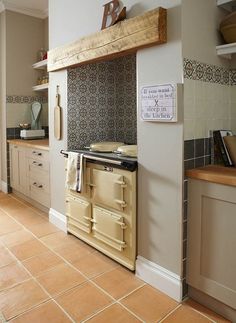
[
  {"x": 38, "y": 154},
  {"x": 35, "y": 164},
  {"x": 40, "y": 184},
  {"x": 40, "y": 195},
  {"x": 108, "y": 189},
  {"x": 78, "y": 213},
  {"x": 109, "y": 227}
]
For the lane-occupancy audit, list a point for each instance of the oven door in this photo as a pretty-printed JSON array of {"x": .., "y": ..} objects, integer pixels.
[
  {"x": 108, "y": 189},
  {"x": 109, "y": 227},
  {"x": 78, "y": 213}
]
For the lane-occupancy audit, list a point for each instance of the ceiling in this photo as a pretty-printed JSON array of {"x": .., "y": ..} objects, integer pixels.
[{"x": 36, "y": 8}]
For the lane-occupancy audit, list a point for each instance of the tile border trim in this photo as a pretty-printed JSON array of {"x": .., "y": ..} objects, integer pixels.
[
  {"x": 198, "y": 71},
  {"x": 159, "y": 277},
  {"x": 25, "y": 99}
]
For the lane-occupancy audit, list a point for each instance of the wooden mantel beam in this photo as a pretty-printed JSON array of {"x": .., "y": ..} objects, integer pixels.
[{"x": 123, "y": 38}]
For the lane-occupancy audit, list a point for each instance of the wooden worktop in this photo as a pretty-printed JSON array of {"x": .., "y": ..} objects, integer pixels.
[
  {"x": 36, "y": 143},
  {"x": 215, "y": 174}
]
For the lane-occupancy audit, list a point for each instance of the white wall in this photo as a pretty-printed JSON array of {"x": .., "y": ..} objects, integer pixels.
[
  {"x": 160, "y": 145},
  {"x": 207, "y": 105}
]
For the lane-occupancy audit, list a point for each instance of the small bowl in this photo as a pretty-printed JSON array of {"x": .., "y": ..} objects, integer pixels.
[{"x": 229, "y": 33}]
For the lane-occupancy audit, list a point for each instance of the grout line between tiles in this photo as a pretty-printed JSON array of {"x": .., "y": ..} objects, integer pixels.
[
  {"x": 71, "y": 265},
  {"x": 88, "y": 280},
  {"x": 139, "y": 287},
  {"x": 171, "y": 312}
]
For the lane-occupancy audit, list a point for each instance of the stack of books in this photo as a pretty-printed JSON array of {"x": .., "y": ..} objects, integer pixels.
[{"x": 224, "y": 147}]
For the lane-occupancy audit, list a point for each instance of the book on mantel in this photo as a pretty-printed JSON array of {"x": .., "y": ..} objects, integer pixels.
[{"x": 220, "y": 148}]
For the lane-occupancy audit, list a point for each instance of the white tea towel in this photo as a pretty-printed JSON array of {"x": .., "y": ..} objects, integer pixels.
[
  {"x": 72, "y": 171},
  {"x": 80, "y": 173}
]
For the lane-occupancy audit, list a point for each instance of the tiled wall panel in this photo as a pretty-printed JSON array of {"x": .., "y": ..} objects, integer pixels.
[{"x": 102, "y": 102}]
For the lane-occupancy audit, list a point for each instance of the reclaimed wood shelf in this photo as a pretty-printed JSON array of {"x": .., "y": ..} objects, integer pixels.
[{"x": 124, "y": 38}]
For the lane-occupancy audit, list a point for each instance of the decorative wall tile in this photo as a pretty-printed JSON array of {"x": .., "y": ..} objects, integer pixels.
[
  {"x": 25, "y": 99},
  {"x": 195, "y": 70},
  {"x": 102, "y": 102},
  {"x": 233, "y": 77}
]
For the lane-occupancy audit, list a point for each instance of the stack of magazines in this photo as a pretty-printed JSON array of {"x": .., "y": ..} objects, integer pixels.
[{"x": 224, "y": 147}]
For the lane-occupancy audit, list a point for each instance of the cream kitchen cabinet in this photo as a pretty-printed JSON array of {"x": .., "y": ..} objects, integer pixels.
[
  {"x": 211, "y": 261},
  {"x": 29, "y": 172},
  {"x": 104, "y": 213}
]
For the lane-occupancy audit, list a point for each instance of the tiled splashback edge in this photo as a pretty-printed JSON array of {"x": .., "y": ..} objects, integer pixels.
[
  {"x": 102, "y": 102},
  {"x": 25, "y": 99},
  {"x": 197, "y": 153},
  {"x": 199, "y": 71}
]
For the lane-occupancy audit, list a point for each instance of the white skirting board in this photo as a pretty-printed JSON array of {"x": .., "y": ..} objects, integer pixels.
[
  {"x": 159, "y": 277},
  {"x": 4, "y": 187},
  {"x": 58, "y": 219}
]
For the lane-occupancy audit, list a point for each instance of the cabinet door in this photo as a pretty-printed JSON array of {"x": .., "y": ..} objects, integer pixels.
[
  {"x": 108, "y": 189},
  {"x": 109, "y": 227},
  {"x": 211, "y": 261},
  {"x": 78, "y": 213},
  {"x": 14, "y": 167},
  {"x": 18, "y": 168}
]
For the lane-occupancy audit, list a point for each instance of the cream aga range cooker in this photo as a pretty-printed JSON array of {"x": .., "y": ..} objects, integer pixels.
[{"x": 104, "y": 213}]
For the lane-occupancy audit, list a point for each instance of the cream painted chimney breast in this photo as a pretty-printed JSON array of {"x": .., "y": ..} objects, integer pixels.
[{"x": 35, "y": 8}]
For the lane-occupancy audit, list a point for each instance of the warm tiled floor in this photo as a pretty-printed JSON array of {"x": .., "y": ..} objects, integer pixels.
[{"x": 47, "y": 276}]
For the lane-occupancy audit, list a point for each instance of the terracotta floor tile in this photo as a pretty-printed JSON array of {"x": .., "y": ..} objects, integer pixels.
[
  {"x": 60, "y": 279},
  {"x": 83, "y": 301},
  {"x": 20, "y": 298},
  {"x": 28, "y": 249},
  {"x": 206, "y": 311},
  {"x": 29, "y": 218},
  {"x": 14, "y": 238},
  {"x": 118, "y": 282},
  {"x": 95, "y": 264},
  {"x": 149, "y": 304},
  {"x": 8, "y": 225},
  {"x": 12, "y": 274},
  {"x": 56, "y": 239},
  {"x": 43, "y": 229},
  {"x": 185, "y": 314},
  {"x": 5, "y": 257},
  {"x": 114, "y": 314},
  {"x": 11, "y": 206},
  {"x": 72, "y": 252},
  {"x": 42, "y": 262},
  {"x": 45, "y": 313}
]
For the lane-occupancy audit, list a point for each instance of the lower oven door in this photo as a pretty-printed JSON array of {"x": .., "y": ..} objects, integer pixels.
[
  {"x": 109, "y": 227},
  {"x": 78, "y": 213},
  {"x": 108, "y": 189}
]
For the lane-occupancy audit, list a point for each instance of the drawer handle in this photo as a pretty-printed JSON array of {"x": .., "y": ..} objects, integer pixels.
[
  {"x": 91, "y": 185},
  {"x": 122, "y": 203},
  {"x": 122, "y": 225},
  {"x": 38, "y": 185},
  {"x": 36, "y": 153},
  {"x": 37, "y": 164}
]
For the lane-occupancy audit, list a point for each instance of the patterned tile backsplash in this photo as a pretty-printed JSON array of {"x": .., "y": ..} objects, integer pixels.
[
  {"x": 25, "y": 99},
  {"x": 195, "y": 70},
  {"x": 102, "y": 102}
]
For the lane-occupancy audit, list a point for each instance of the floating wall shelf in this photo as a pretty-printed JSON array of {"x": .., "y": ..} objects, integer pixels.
[
  {"x": 226, "y": 51},
  {"x": 41, "y": 87},
  {"x": 42, "y": 65},
  {"x": 229, "y": 5}
]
